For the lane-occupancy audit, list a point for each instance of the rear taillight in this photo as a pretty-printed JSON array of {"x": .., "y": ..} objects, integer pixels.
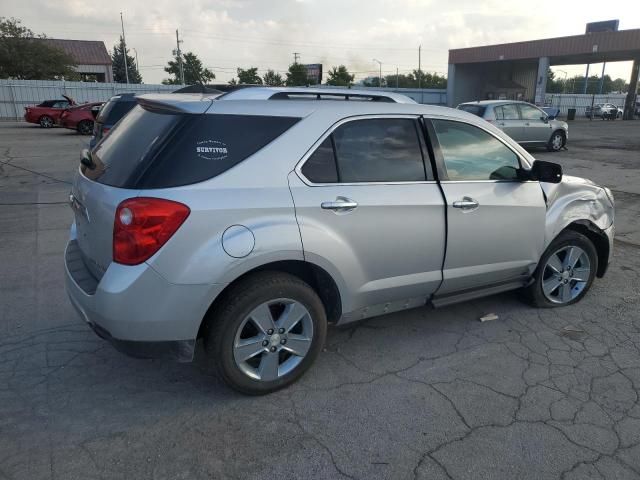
[
  {"x": 143, "y": 225},
  {"x": 105, "y": 130}
]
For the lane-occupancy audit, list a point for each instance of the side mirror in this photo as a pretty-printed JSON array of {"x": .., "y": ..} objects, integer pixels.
[
  {"x": 546, "y": 118},
  {"x": 548, "y": 172}
]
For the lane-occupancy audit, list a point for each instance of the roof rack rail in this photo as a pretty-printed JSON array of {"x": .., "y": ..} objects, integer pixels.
[
  {"x": 314, "y": 93},
  {"x": 329, "y": 95}
]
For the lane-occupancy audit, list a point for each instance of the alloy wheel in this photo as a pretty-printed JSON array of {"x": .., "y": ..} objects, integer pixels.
[
  {"x": 273, "y": 339},
  {"x": 556, "y": 141},
  {"x": 566, "y": 274},
  {"x": 46, "y": 122}
]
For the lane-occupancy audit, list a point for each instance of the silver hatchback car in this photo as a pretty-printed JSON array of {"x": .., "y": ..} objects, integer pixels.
[
  {"x": 522, "y": 121},
  {"x": 255, "y": 219}
]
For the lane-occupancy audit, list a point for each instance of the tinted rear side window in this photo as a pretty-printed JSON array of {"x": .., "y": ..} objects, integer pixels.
[
  {"x": 379, "y": 150},
  {"x": 158, "y": 150},
  {"x": 475, "y": 109},
  {"x": 321, "y": 165}
]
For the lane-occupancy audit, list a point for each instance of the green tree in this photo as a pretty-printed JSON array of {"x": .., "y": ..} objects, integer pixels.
[
  {"x": 373, "y": 82},
  {"x": 117, "y": 60},
  {"x": 297, "y": 75},
  {"x": 194, "y": 72},
  {"x": 24, "y": 55},
  {"x": 273, "y": 79},
  {"x": 340, "y": 76},
  {"x": 401, "y": 81},
  {"x": 249, "y": 76},
  {"x": 428, "y": 80}
]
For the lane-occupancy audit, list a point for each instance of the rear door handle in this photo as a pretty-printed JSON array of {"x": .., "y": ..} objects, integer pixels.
[
  {"x": 467, "y": 203},
  {"x": 341, "y": 204}
]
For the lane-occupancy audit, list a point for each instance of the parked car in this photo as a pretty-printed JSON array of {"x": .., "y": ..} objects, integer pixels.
[
  {"x": 254, "y": 223},
  {"x": 110, "y": 113},
  {"x": 522, "y": 121},
  {"x": 80, "y": 117},
  {"x": 606, "y": 111},
  {"x": 47, "y": 113}
]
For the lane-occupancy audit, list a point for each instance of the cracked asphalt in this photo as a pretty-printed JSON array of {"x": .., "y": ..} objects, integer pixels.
[{"x": 424, "y": 394}]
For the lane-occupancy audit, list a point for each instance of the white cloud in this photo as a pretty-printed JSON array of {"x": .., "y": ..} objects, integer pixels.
[{"x": 227, "y": 34}]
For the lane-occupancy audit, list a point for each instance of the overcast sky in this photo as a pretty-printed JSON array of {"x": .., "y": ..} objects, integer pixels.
[{"x": 226, "y": 34}]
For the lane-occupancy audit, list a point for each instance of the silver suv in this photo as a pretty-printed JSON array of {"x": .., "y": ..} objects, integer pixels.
[
  {"x": 522, "y": 121},
  {"x": 255, "y": 219}
]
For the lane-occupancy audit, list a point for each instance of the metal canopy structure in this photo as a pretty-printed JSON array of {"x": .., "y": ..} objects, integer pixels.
[{"x": 472, "y": 69}]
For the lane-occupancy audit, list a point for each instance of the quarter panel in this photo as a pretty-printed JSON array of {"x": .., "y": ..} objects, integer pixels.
[{"x": 195, "y": 255}]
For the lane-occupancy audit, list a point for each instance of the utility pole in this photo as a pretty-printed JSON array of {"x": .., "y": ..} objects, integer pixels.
[
  {"x": 296, "y": 56},
  {"x": 137, "y": 63},
  {"x": 178, "y": 54},
  {"x": 419, "y": 66},
  {"x": 380, "y": 77},
  {"x": 124, "y": 50}
]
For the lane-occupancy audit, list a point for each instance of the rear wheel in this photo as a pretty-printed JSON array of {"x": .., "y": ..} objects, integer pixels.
[
  {"x": 565, "y": 272},
  {"x": 266, "y": 333},
  {"x": 556, "y": 142},
  {"x": 46, "y": 121},
  {"x": 85, "y": 127}
]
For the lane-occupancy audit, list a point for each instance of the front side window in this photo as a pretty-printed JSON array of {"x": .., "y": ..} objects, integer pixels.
[
  {"x": 470, "y": 153},
  {"x": 530, "y": 113}
]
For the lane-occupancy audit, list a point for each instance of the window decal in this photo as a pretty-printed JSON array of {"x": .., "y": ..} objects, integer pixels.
[{"x": 211, "y": 150}]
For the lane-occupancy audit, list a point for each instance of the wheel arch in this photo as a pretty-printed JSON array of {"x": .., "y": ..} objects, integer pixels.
[
  {"x": 315, "y": 276},
  {"x": 597, "y": 237}
]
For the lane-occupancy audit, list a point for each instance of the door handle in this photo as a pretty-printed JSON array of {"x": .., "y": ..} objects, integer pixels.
[
  {"x": 467, "y": 203},
  {"x": 527, "y": 124},
  {"x": 341, "y": 204}
]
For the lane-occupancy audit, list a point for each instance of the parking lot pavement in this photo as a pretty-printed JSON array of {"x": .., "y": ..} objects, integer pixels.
[{"x": 430, "y": 394}]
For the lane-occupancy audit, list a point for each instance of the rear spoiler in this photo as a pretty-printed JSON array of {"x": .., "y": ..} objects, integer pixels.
[{"x": 174, "y": 103}]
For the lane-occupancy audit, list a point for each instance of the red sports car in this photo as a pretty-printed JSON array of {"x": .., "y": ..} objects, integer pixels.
[
  {"x": 80, "y": 117},
  {"x": 47, "y": 113}
]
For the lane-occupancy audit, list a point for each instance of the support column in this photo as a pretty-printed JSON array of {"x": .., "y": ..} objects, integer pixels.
[
  {"x": 541, "y": 81},
  {"x": 451, "y": 78},
  {"x": 630, "y": 101}
]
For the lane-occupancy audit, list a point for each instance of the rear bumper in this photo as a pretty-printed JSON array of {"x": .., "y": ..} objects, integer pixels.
[{"x": 136, "y": 309}]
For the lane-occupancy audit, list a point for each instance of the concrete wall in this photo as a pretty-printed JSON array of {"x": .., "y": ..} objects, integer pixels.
[{"x": 472, "y": 81}]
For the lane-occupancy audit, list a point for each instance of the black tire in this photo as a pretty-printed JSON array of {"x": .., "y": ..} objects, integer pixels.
[
  {"x": 534, "y": 294},
  {"x": 85, "y": 127},
  {"x": 553, "y": 145},
  {"x": 225, "y": 320},
  {"x": 46, "y": 121}
]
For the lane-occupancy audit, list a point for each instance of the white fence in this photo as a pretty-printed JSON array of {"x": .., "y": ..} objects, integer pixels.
[
  {"x": 580, "y": 102},
  {"x": 17, "y": 94}
]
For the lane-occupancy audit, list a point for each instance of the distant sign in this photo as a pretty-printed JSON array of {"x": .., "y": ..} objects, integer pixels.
[
  {"x": 605, "y": 26},
  {"x": 314, "y": 73}
]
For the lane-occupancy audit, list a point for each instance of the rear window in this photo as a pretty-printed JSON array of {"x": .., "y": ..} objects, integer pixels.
[
  {"x": 159, "y": 150},
  {"x": 114, "y": 110},
  {"x": 475, "y": 109}
]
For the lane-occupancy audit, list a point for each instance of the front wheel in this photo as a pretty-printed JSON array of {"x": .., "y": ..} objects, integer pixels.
[
  {"x": 556, "y": 142},
  {"x": 565, "y": 272},
  {"x": 266, "y": 332},
  {"x": 85, "y": 127}
]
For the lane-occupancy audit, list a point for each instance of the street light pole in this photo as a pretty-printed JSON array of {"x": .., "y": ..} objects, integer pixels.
[
  {"x": 380, "y": 77},
  {"x": 124, "y": 50}
]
